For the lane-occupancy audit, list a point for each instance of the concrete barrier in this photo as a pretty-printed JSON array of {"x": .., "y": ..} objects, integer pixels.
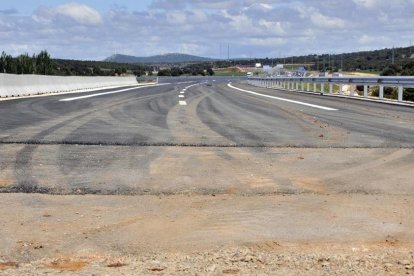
[{"x": 26, "y": 85}]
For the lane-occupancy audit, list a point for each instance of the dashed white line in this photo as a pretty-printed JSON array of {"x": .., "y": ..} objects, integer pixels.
[
  {"x": 182, "y": 92},
  {"x": 283, "y": 99}
]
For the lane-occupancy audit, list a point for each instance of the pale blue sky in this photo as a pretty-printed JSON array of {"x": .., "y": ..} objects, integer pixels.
[{"x": 96, "y": 29}]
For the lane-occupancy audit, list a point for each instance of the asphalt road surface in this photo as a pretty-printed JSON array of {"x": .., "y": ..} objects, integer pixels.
[
  {"x": 196, "y": 176},
  {"x": 194, "y": 135}
]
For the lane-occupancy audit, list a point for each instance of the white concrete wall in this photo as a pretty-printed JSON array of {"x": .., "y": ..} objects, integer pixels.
[{"x": 24, "y": 85}]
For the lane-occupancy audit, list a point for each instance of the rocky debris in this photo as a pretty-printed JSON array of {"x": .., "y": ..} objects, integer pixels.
[
  {"x": 157, "y": 266},
  {"x": 235, "y": 261},
  {"x": 116, "y": 265},
  {"x": 7, "y": 265}
]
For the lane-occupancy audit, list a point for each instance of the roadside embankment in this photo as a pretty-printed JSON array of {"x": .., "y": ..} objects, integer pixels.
[{"x": 26, "y": 85}]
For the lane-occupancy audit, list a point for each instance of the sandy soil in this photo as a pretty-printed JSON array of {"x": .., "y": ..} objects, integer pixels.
[{"x": 207, "y": 234}]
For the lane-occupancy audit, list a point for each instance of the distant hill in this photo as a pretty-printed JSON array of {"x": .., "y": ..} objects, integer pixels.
[{"x": 167, "y": 58}]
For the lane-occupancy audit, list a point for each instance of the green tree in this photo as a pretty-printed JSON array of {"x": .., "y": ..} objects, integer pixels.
[
  {"x": 10, "y": 65},
  {"x": 210, "y": 71},
  {"x": 176, "y": 71},
  {"x": 164, "y": 72},
  {"x": 25, "y": 64},
  {"x": 408, "y": 69},
  {"x": 43, "y": 63},
  {"x": 3, "y": 62}
]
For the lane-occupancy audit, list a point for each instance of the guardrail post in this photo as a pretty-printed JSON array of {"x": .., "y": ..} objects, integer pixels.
[
  {"x": 381, "y": 92},
  {"x": 298, "y": 84},
  {"x": 400, "y": 93}
]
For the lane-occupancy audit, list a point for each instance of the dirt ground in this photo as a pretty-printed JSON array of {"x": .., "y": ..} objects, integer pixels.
[{"x": 207, "y": 234}]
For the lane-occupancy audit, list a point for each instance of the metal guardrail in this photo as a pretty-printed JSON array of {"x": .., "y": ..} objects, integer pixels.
[{"x": 299, "y": 83}]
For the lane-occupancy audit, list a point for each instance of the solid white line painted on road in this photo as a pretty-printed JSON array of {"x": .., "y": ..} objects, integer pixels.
[
  {"x": 107, "y": 93},
  {"x": 283, "y": 99},
  {"x": 182, "y": 102}
]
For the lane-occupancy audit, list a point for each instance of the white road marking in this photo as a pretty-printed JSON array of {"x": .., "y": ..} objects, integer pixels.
[
  {"x": 183, "y": 91},
  {"x": 282, "y": 99},
  {"x": 107, "y": 93}
]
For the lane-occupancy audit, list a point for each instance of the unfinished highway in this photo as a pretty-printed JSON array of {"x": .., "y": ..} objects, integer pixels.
[{"x": 218, "y": 162}]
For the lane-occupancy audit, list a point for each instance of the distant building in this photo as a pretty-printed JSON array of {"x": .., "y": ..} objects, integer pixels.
[{"x": 258, "y": 65}]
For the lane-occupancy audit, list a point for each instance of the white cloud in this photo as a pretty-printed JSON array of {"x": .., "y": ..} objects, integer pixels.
[
  {"x": 373, "y": 40},
  {"x": 369, "y": 4},
  {"x": 79, "y": 13},
  {"x": 326, "y": 22},
  {"x": 176, "y": 18},
  {"x": 251, "y": 27},
  {"x": 272, "y": 26}
]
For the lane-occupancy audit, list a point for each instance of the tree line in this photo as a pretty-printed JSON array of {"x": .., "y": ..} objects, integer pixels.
[
  {"x": 40, "y": 64},
  {"x": 387, "y": 61},
  {"x": 202, "y": 69},
  {"x": 398, "y": 70},
  {"x": 43, "y": 64}
]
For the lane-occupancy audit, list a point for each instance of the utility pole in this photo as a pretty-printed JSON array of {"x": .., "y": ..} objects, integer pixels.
[
  {"x": 317, "y": 63},
  {"x": 393, "y": 55},
  {"x": 220, "y": 57},
  {"x": 228, "y": 52},
  {"x": 329, "y": 61}
]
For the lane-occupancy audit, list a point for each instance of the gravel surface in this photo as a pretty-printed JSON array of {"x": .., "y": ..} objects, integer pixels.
[{"x": 270, "y": 259}]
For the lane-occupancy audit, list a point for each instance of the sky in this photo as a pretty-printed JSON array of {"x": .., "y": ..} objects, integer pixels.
[{"x": 97, "y": 29}]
